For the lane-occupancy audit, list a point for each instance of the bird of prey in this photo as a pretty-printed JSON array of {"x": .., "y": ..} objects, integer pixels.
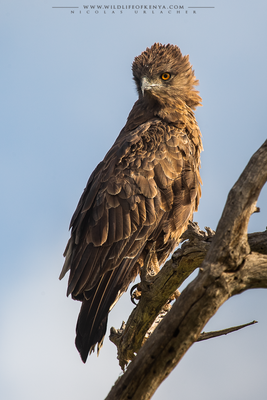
[{"x": 139, "y": 199}]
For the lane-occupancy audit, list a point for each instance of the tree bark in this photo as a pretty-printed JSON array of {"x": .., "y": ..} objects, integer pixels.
[
  {"x": 153, "y": 305},
  {"x": 229, "y": 268}
]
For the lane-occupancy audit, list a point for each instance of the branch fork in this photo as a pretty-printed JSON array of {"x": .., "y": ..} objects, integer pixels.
[{"x": 234, "y": 262}]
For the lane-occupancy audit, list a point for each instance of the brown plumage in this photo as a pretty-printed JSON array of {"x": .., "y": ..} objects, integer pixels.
[{"x": 143, "y": 193}]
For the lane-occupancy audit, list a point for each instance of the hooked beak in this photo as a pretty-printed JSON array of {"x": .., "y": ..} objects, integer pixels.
[{"x": 146, "y": 85}]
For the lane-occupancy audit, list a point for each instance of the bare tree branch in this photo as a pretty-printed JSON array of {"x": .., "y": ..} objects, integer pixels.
[
  {"x": 154, "y": 297},
  {"x": 231, "y": 239},
  {"x": 213, "y": 334},
  {"x": 229, "y": 268},
  {"x": 153, "y": 306}
]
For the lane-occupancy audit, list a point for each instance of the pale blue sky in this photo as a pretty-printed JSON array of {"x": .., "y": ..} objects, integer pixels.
[{"x": 65, "y": 93}]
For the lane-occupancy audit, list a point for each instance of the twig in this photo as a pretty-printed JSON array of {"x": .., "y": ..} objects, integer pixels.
[{"x": 212, "y": 334}]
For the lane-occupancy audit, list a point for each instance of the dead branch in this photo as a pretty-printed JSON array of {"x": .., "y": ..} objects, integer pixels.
[
  {"x": 229, "y": 268},
  {"x": 154, "y": 297},
  {"x": 153, "y": 306},
  {"x": 213, "y": 334}
]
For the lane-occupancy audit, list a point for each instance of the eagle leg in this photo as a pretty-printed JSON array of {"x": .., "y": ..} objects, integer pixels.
[
  {"x": 174, "y": 296},
  {"x": 149, "y": 270},
  {"x": 135, "y": 293},
  {"x": 151, "y": 266}
]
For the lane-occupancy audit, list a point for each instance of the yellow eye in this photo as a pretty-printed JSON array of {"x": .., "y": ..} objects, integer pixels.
[{"x": 165, "y": 76}]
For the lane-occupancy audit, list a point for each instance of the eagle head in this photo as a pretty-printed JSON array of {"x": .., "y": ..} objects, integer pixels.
[{"x": 163, "y": 75}]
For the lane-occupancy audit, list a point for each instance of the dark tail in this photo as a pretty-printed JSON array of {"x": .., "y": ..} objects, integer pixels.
[{"x": 92, "y": 321}]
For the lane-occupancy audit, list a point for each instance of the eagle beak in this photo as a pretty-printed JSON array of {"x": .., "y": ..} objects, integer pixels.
[{"x": 145, "y": 85}]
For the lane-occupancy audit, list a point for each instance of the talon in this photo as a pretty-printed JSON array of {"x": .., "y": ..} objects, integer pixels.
[
  {"x": 132, "y": 289},
  {"x": 135, "y": 293},
  {"x": 174, "y": 296}
]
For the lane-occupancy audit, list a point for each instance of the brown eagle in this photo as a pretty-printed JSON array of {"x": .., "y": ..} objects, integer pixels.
[{"x": 141, "y": 196}]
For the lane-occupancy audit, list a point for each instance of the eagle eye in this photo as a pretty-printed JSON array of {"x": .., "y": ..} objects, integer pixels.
[{"x": 165, "y": 76}]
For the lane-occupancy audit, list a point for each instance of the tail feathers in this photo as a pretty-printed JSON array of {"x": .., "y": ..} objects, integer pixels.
[
  {"x": 86, "y": 342},
  {"x": 92, "y": 321}
]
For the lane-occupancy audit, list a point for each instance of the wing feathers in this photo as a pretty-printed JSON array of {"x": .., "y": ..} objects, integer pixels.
[
  {"x": 131, "y": 199},
  {"x": 114, "y": 187},
  {"x": 147, "y": 186},
  {"x": 144, "y": 190},
  {"x": 112, "y": 201}
]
